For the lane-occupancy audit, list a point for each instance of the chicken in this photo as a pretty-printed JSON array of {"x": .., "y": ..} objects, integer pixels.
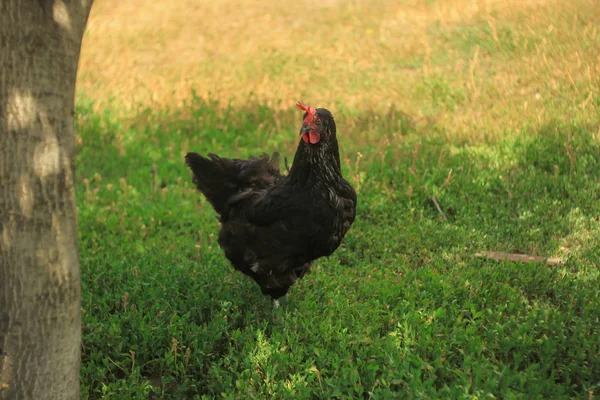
[{"x": 274, "y": 226}]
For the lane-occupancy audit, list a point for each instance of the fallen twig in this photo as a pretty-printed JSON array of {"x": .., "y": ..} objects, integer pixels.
[
  {"x": 155, "y": 185},
  {"x": 437, "y": 206},
  {"x": 514, "y": 257}
]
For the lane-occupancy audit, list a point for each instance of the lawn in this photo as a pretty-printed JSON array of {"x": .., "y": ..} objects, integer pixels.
[{"x": 489, "y": 109}]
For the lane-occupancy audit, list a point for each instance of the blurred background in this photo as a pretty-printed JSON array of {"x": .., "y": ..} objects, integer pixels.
[{"x": 472, "y": 67}]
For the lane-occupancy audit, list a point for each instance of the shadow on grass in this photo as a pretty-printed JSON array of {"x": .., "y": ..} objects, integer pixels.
[{"x": 404, "y": 293}]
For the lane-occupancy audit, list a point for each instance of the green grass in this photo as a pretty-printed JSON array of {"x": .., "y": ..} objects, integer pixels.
[
  {"x": 402, "y": 310},
  {"x": 491, "y": 108}
]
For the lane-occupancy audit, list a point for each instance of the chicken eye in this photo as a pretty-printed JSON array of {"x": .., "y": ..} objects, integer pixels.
[{"x": 318, "y": 121}]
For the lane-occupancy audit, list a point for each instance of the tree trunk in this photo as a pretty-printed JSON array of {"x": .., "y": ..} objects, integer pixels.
[{"x": 40, "y": 302}]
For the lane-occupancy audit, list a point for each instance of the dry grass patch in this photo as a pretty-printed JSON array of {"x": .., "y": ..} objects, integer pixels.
[{"x": 476, "y": 67}]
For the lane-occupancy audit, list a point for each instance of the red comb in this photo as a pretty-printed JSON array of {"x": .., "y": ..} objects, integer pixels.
[{"x": 311, "y": 112}]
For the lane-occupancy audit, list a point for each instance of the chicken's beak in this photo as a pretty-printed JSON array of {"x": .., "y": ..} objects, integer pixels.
[{"x": 305, "y": 129}]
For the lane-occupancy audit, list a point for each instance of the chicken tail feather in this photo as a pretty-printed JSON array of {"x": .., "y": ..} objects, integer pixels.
[{"x": 219, "y": 179}]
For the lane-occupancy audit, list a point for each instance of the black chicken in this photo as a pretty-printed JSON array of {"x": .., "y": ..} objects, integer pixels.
[{"x": 275, "y": 226}]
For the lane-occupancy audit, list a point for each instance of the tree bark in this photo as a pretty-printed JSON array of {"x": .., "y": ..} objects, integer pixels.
[{"x": 40, "y": 302}]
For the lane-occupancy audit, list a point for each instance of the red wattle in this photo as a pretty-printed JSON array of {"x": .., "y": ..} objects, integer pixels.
[
  {"x": 305, "y": 137},
  {"x": 314, "y": 137}
]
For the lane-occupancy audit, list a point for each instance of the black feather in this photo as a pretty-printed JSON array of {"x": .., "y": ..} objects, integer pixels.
[{"x": 219, "y": 179}]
